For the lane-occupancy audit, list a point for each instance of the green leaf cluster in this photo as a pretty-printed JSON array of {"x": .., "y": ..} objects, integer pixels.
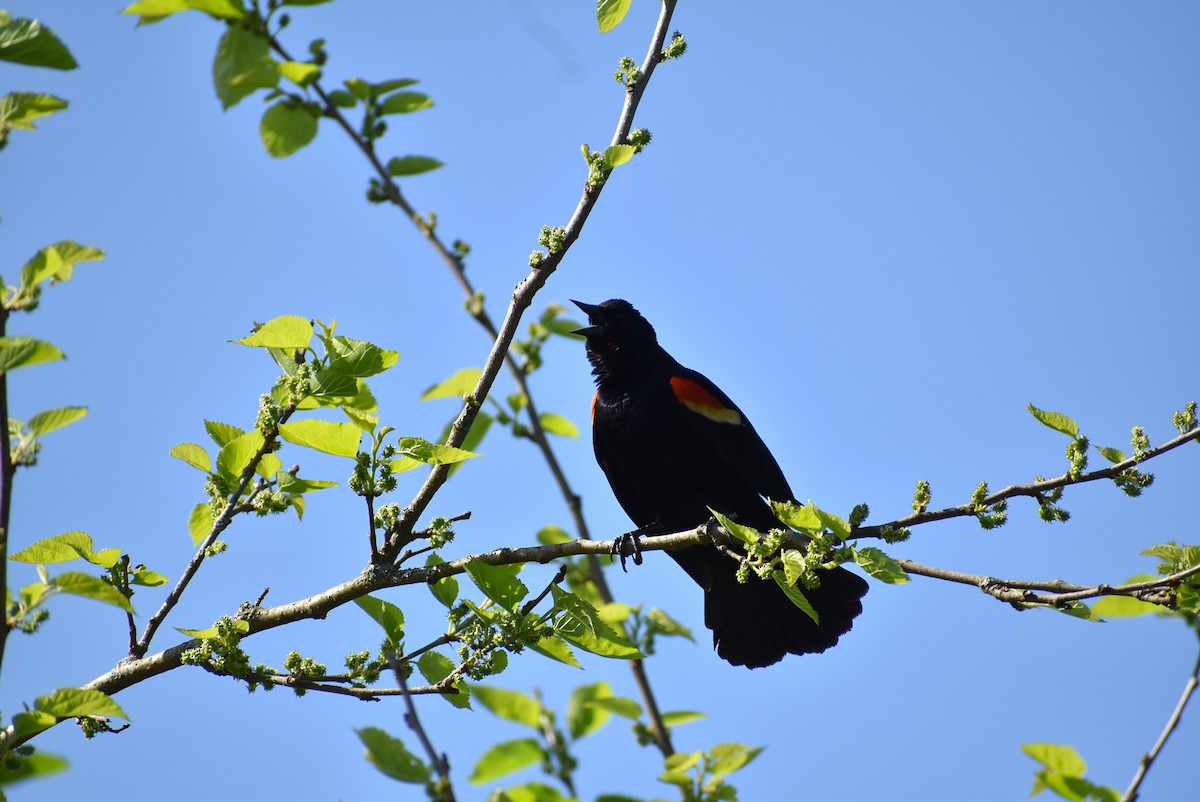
[
  {"x": 1062, "y": 772},
  {"x": 701, "y": 776}
]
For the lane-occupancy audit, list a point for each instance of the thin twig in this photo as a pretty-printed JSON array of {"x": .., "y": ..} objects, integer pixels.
[
  {"x": 219, "y": 525},
  {"x": 440, "y": 763},
  {"x": 370, "y": 497},
  {"x": 1032, "y": 490},
  {"x": 1147, "y": 761},
  {"x": 7, "y": 474},
  {"x": 128, "y": 615}
]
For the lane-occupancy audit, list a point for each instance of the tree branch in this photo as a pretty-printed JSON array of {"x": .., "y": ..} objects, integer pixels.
[
  {"x": 1033, "y": 490},
  {"x": 439, "y": 761},
  {"x": 1147, "y": 761}
]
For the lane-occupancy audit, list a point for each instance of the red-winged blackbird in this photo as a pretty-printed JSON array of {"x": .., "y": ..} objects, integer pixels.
[{"x": 673, "y": 445}]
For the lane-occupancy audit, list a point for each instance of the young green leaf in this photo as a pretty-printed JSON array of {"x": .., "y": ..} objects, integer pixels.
[
  {"x": 289, "y": 483},
  {"x": 389, "y": 755},
  {"x": 579, "y": 623},
  {"x": 456, "y": 386},
  {"x": 19, "y": 109},
  {"x": 582, "y": 717},
  {"x": 27, "y": 41},
  {"x": 609, "y": 13},
  {"x": 236, "y": 455},
  {"x": 556, "y": 648},
  {"x": 200, "y": 521},
  {"x": 1125, "y": 606},
  {"x": 286, "y": 331},
  {"x": 796, "y": 596},
  {"x": 798, "y": 516},
  {"x": 51, "y": 419},
  {"x": 746, "y": 534},
  {"x": 411, "y": 165},
  {"x": 58, "y": 549},
  {"x": 69, "y": 702},
  {"x": 616, "y": 155},
  {"x": 19, "y": 352},
  {"x": 445, "y": 590},
  {"x": 432, "y": 454},
  {"x": 662, "y": 624},
  {"x": 243, "y": 64},
  {"x": 498, "y": 582},
  {"x": 405, "y": 103},
  {"x": 338, "y": 439},
  {"x": 1113, "y": 455},
  {"x": 505, "y": 758},
  {"x": 222, "y": 433},
  {"x": 549, "y": 535},
  {"x": 239, "y": 626},
  {"x": 57, "y": 262},
  {"x": 554, "y": 423},
  {"x": 286, "y": 127},
  {"x": 40, "y": 764},
  {"x": 729, "y": 758},
  {"x": 299, "y": 72},
  {"x": 359, "y": 358},
  {"x": 514, "y": 706},
  {"x": 90, "y": 587},
  {"x": 435, "y": 667},
  {"x": 1056, "y": 421},
  {"x": 387, "y": 615},
  {"x": 193, "y": 455},
  {"x": 879, "y": 565},
  {"x": 674, "y": 718}
]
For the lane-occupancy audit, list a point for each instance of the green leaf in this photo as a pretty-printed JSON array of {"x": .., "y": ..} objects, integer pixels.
[
  {"x": 498, "y": 582},
  {"x": 19, "y": 352},
  {"x": 405, "y": 102},
  {"x": 626, "y": 708},
  {"x": 445, "y": 590},
  {"x": 222, "y": 433},
  {"x": 556, "y": 648},
  {"x": 286, "y": 331},
  {"x": 358, "y": 87},
  {"x": 549, "y": 535},
  {"x": 339, "y": 439},
  {"x": 798, "y": 516},
  {"x": 27, "y": 41},
  {"x": 391, "y": 85},
  {"x": 513, "y": 706},
  {"x": 51, "y": 419},
  {"x": 194, "y": 455},
  {"x": 17, "y": 768},
  {"x": 411, "y": 165},
  {"x": 1055, "y": 420},
  {"x": 1113, "y": 455},
  {"x": 796, "y": 596},
  {"x": 458, "y": 385},
  {"x": 286, "y": 127},
  {"x": 200, "y": 522},
  {"x": 580, "y": 624},
  {"x": 239, "y": 626},
  {"x": 662, "y": 624},
  {"x": 90, "y": 587},
  {"x": 299, "y": 72},
  {"x": 156, "y": 10},
  {"x": 676, "y": 717},
  {"x": 57, "y": 262},
  {"x": 342, "y": 99},
  {"x": 731, "y": 757},
  {"x": 435, "y": 667},
  {"x": 141, "y": 575},
  {"x": 1060, "y": 759},
  {"x": 557, "y": 424},
  {"x": 1125, "y": 606},
  {"x": 243, "y": 64},
  {"x": 268, "y": 466},
  {"x": 616, "y": 155},
  {"x": 880, "y": 565},
  {"x": 387, "y": 615},
  {"x": 427, "y": 452},
  {"x": 289, "y": 483},
  {"x": 609, "y": 13},
  {"x": 834, "y": 523},
  {"x": 1078, "y": 610},
  {"x": 71, "y": 702},
  {"x": 359, "y": 358},
  {"x": 582, "y": 717},
  {"x": 389, "y": 756},
  {"x": 505, "y": 758},
  {"x": 19, "y": 110},
  {"x": 746, "y": 534},
  {"x": 236, "y": 455},
  {"x": 58, "y": 549}
]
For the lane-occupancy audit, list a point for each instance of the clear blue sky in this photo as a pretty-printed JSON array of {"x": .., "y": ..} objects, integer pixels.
[{"x": 882, "y": 228}]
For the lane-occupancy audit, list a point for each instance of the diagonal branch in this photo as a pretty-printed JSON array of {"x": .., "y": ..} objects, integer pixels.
[{"x": 1131, "y": 793}]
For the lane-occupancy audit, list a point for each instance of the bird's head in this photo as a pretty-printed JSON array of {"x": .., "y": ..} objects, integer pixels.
[{"x": 619, "y": 339}]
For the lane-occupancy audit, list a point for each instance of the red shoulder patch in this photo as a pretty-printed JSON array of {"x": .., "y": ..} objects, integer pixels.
[
  {"x": 693, "y": 396},
  {"x": 594, "y": 397}
]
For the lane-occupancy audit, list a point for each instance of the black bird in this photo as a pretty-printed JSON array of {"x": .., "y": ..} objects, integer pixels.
[{"x": 673, "y": 445}]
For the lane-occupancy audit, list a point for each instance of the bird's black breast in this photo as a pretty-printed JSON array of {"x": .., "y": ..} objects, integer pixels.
[{"x": 664, "y": 471}]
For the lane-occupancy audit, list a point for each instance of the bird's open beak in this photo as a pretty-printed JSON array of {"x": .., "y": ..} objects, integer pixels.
[{"x": 595, "y": 318}]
